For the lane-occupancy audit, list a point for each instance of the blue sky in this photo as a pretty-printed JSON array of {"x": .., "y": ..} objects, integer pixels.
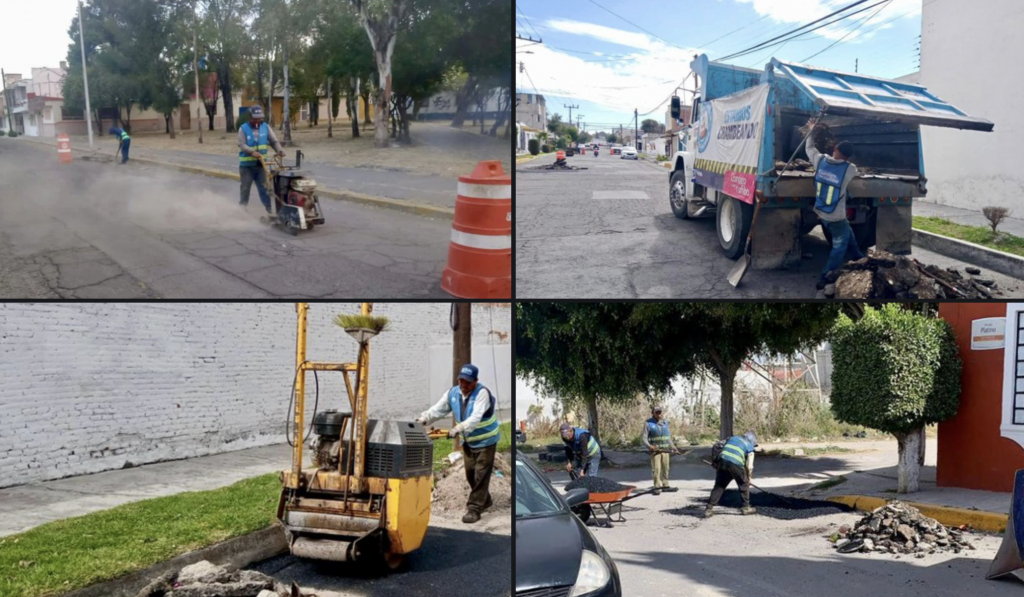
[{"x": 608, "y": 67}]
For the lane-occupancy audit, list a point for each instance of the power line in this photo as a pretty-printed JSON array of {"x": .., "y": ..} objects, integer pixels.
[
  {"x": 851, "y": 32},
  {"x": 635, "y": 25},
  {"x": 787, "y": 34},
  {"x": 527, "y": 21}
]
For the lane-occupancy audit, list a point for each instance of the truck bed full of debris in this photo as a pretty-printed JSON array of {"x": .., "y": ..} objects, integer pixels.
[
  {"x": 886, "y": 276},
  {"x": 898, "y": 528}
]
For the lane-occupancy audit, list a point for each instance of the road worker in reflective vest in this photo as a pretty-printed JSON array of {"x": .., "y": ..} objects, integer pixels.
[
  {"x": 475, "y": 411},
  {"x": 255, "y": 138},
  {"x": 832, "y": 177},
  {"x": 581, "y": 449},
  {"x": 123, "y": 143},
  {"x": 734, "y": 463},
  {"x": 657, "y": 438}
]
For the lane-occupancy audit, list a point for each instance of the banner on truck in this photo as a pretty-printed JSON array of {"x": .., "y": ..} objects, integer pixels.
[{"x": 729, "y": 132}]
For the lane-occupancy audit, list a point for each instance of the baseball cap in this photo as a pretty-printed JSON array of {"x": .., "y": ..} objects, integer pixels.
[
  {"x": 256, "y": 111},
  {"x": 469, "y": 372}
]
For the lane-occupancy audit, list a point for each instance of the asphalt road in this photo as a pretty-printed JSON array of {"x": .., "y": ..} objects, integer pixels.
[
  {"x": 95, "y": 230},
  {"x": 608, "y": 232},
  {"x": 456, "y": 560},
  {"x": 665, "y": 549}
]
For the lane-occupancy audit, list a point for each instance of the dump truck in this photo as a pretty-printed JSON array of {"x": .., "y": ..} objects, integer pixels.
[{"x": 747, "y": 124}]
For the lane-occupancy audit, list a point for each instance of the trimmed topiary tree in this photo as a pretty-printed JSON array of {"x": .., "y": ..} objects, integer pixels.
[
  {"x": 896, "y": 371},
  {"x": 534, "y": 146}
]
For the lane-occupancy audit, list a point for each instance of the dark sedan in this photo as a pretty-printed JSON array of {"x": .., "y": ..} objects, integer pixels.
[{"x": 556, "y": 555}]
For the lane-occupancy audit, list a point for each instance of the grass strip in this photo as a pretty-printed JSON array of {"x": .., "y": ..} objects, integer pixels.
[
  {"x": 77, "y": 552},
  {"x": 979, "y": 235}
]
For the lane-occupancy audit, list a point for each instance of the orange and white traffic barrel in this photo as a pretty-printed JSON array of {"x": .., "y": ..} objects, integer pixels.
[
  {"x": 63, "y": 149},
  {"x": 560, "y": 156},
  {"x": 480, "y": 253}
]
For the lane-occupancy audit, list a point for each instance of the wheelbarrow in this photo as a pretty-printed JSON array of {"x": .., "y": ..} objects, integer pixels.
[{"x": 603, "y": 506}]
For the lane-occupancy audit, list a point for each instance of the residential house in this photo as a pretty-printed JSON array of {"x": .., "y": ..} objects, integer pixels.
[
  {"x": 523, "y": 134},
  {"x": 983, "y": 445},
  {"x": 532, "y": 110}
]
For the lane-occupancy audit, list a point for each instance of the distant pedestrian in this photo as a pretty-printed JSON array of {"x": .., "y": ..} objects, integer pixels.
[
  {"x": 124, "y": 142},
  {"x": 657, "y": 438},
  {"x": 735, "y": 462}
]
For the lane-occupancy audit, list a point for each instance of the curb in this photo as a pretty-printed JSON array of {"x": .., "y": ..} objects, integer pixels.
[
  {"x": 997, "y": 261},
  {"x": 418, "y": 209},
  {"x": 952, "y": 517},
  {"x": 234, "y": 553}
]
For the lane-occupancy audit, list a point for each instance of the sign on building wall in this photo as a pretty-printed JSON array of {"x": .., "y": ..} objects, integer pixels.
[
  {"x": 1013, "y": 375},
  {"x": 988, "y": 333}
]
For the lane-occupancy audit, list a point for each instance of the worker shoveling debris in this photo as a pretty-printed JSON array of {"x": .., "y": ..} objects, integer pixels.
[
  {"x": 451, "y": 490},
  {"x": 204, "y": 579},
  {"x": 899, "y": 529},
  {"x": 886, "y": 276},
  {"x": 595, "y": 485}
]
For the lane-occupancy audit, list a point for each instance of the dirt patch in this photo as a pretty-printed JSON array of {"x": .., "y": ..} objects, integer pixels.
[
  {"x": 886, "y": 276},
  {"x": 770, "y": 505},
  {"x": 451, "y": 490}
]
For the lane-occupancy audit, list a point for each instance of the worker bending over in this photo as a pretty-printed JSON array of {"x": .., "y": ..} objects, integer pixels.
[
  {"x": 581, "y": 449},
  {"x": 475, "y": 411},
  {"x": 658, "y": 440},
  {"x": 734, "y": 463},
  {"x": 254, "y": 140},
  {"x": 123, "y": 143},
  {"x": 832, "y": 176}
]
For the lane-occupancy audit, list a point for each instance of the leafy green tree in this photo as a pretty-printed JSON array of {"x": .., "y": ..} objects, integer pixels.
[
  {"x": 593, "y": 353},
  {"x": 896, "y": 370},
  {"x": 649, "y": 125},
  {"x": 720, "y": 337},
  {"x": 555, "y": 124},
  {"x": 226, "y": 38},
  {"x": 381, "y": 19},
  {"x": 611, "y": 139}
]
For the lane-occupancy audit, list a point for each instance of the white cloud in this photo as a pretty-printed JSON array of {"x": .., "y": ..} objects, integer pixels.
[
  {"x": 801, "y": 12},
  {"x": 607, "y": 34}
]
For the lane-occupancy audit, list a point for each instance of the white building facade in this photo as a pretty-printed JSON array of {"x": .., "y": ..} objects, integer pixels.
[{"x": 967, "y": 60}]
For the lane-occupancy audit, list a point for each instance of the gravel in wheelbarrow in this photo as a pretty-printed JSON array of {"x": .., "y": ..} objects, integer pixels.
[{"x": 595, "y": 485}]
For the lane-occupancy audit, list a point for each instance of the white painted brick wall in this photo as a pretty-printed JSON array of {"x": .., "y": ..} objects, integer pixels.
[{"x": 90, "y": 387}]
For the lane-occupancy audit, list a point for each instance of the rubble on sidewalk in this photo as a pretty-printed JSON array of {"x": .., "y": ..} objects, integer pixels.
[
  {"x": 204, "y": 579},
  {"x": 451, "y": 491},
  {"x": 898, "y": 528},
  {"x": 887, "y": 276}
]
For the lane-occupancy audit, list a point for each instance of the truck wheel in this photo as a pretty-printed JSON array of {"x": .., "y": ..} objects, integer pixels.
[
  {"x": 733, "y": 225},
  {"x": 865, "y": 233},
  {"x": 677, "y": 196}
]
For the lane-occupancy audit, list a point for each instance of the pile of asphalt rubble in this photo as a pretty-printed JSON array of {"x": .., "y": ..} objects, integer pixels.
[
  {"x": 204, "y": 579},
  {"x": 897, "y": 528},
  {"x": 595, "y": 485},
  {"x": 886, "y": 276}
]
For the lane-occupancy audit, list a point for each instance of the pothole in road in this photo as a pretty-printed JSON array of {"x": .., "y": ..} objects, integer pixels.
[{"x": 769, "y": 505}]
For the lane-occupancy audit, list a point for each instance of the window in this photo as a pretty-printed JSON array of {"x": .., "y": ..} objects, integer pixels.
[
  {"x": 1013, "y": 375},
  {"x": 529, "y": 98}
]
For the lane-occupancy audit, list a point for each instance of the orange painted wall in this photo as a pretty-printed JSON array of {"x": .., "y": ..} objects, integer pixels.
[{"x": 971, "y": 452}]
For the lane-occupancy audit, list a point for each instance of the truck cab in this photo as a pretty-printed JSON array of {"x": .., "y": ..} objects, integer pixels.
[{"x": 882, "y": 118}]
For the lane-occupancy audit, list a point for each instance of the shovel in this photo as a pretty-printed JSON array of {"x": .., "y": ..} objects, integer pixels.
[{"x": 740, "y": 270}]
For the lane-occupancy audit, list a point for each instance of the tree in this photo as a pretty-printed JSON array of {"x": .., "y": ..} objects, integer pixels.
[
  {"x": 381, "y": 19},
  {"x": 585, "y": 137},
  {"x": 720, "y": 337},
  {"x": 591, "y": 353},
  {"x": 484, "y": 56},
  {"x": 611, "y": 138},
  {"x": 649, "y": 125},
  {"x": 225, "y": 34},
  {"x": 896, "y": 370},
  {"x": 555, "y": 123}
]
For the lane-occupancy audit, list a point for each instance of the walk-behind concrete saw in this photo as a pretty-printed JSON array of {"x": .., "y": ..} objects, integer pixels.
[
  {"x": 367, "y": 496},
  {"x": 295, "y": 205}
]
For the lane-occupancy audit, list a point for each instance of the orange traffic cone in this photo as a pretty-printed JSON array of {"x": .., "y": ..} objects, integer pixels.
[
  {"x": 64, "y": 149},
  {"x": 480, "y": 254}
]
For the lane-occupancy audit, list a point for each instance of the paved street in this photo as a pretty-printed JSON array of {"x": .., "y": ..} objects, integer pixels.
[
  {"x": 664, "y": 549},
  {"x": 95, "y": 230},
  {"x": 608, "y": 232}
]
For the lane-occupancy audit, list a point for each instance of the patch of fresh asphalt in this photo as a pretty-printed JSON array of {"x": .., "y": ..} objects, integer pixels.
[
  {"x": 96, "y": 230},
  {"x": 608, "y": 232},
  {"x": 456, "y": 560},
  {"x": 664, "y": 549}
]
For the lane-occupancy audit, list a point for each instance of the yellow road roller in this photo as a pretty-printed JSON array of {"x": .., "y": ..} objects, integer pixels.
[{"x": 365, "y": 495}]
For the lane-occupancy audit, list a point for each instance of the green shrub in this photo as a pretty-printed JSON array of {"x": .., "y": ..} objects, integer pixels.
[
  {"x": 534, "y": 146},
  {"x": 545, "y": 148},
  {"x": 561, "y": 143},
  {"x": 895, "y": 370},
  {"x": 12, "y": 134}
]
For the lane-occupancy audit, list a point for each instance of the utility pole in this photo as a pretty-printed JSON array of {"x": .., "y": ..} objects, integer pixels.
[
  {"x": 636, "y": 122},
  {"x": 571, "y": 108},
  {"x": 195, "y": 67},
  {"x": 462, "y": 344},
  {"x": 85, "y": 74},
  {"x": 7, "y": 102},
  {"x": 856, "y": 65}
]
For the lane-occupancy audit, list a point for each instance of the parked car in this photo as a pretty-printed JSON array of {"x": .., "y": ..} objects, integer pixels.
[
  {"x": 628, "y": 153},
  {"x": 556, "y": 554},
  {"x": 616, "y": 150}
]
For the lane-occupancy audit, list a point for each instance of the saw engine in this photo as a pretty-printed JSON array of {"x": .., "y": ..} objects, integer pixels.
[
  {"x": 395, "y": 449},
  {"x": 298, "y": 207}
]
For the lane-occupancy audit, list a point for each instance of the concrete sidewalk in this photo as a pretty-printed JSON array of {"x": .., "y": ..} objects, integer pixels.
[
  {"x": 28, "y": 506},
  {"x": 967, "y": 217}
]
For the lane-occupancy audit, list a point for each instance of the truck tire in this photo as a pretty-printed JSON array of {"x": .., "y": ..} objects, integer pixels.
[
  {"x": 865, "y": 233},
  {"x": 677, "y": 196},
  {"x": 733, "y": 224}
]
